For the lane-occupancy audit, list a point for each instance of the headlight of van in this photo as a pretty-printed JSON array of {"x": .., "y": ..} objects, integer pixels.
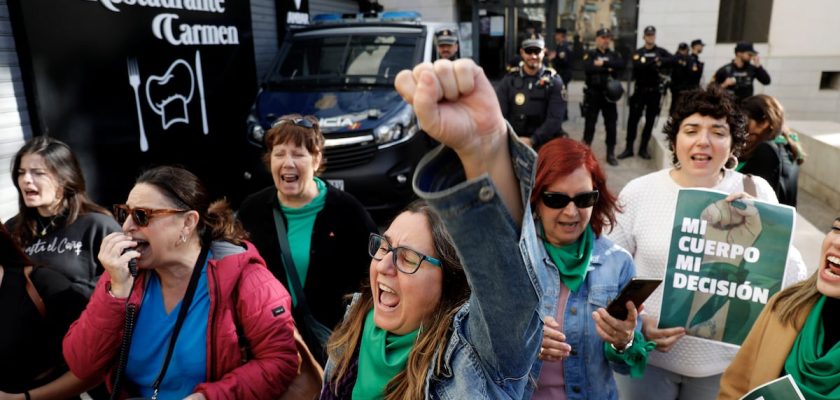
[
  {"x": 396, "y": 130},
  {"x": 256, "y": 133}
]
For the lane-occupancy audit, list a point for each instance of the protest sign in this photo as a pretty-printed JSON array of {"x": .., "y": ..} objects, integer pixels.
[
  {"x": 726, "y": 260},
  {"x": 783, "y": 388}
]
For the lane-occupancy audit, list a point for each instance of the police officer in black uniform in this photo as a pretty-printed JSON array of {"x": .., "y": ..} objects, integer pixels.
[
  {"x": 686, "y": 72},
  {"x": 447, "y": 44},
  {"x": 737, "y": 77},
  {"x": 648, "y": 63},
  {"x": 561, "y": 56},
  {"x": 532, "y": 96},
  {"x": 601, "y": 92}
]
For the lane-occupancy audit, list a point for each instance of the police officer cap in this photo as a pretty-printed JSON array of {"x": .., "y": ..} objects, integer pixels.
[
  {"x": 446, "y": 36},
  {"x": 650, "y": 30},
  {"x": 682, "y": 46},
  {"x": 603, "y": 32},
  {"x": 535, "y": 40},
  {"x": 745, "y": 47},
  {"x": 695, "y": 42}
]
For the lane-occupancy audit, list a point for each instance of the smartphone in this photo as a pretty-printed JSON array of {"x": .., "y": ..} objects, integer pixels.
[{"x": 637, "y": 291}]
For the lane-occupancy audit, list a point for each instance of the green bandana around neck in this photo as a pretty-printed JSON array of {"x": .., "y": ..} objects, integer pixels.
[
  {"x": 382, "y": 356},
  {"x": 572, "y": 260},
  {"x": 816, "y": 374}
]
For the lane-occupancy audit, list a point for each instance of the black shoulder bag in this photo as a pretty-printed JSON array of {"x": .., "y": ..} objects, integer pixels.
[{"x": 314, "y": 333}]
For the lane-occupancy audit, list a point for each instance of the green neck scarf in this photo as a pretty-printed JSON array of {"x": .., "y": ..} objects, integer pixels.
[
  {"x": 816, "y": 374},
  {"x": 381, "y": 357},
  {"x": 572, "y": 260}
]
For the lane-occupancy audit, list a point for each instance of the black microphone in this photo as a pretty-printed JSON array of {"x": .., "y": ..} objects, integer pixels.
[{"x": 132, "y": 267}]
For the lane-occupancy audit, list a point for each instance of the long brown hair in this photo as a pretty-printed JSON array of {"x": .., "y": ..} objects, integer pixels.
[
  {"x": 763, "y": 108},
  {"x": 434, "y": 334},
  {"x": 793, "y": 300},
  {"x": 61, "y": 163}
]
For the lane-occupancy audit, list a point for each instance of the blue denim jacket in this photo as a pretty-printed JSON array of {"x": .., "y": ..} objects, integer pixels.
[
  {"x": 497, "y": 334},
  {"x": 587, "y": 373}
]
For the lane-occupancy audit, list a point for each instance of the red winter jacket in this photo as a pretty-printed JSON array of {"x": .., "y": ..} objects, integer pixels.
[{"x": 91, "y": 346}]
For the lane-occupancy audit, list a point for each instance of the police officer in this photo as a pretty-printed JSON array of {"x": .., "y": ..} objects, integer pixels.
[
  {"x": 601, "y": 66},
  {"x": 532, "y": 96},
  {"x": 648, "y": 63},
  {"x": 687, "y": 71},
  {"x": 447, "y": 44},
  {"x": 561, "y": 56},
  {"x": 737, "y": 77}
]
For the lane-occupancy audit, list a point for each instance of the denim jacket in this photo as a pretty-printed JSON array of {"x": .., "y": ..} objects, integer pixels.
[
  {"x": 497, "y": 335},
  {"x": 587, "y": 373}
]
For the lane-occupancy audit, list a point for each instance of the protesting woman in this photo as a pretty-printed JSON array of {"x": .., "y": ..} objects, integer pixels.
[
  {"x": 583, "y": 271},
  {"x": 420, "y": 330},
  {"x": 772, "y": 151},
  {"x": 58, "y": 225},
  {"x": 201, "y": 294},
  {"x": 796, "y": 334},
  {"x": 705, "y": 133},
  {"x": 303, "y": 221}
]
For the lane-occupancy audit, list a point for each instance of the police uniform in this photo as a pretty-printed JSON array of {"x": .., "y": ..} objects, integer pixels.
[
  {"x": 744, "y": 76},
  {"x": 562, "y": 62},
  {"x": 647, "y": 94},
  {"x": 595, "y": 94},
  {"x": 686, "y": 72},
  {"x": 447, "y": 36},
  {"x": 534, "y": 105}
]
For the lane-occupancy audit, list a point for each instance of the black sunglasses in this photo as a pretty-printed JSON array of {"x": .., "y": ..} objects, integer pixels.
[
  {"x": 532, "y": 50},
  {"x": 141, "y": 216},
  {"x": 561, "y": 200},
  {"x": 301, "y": 122}
]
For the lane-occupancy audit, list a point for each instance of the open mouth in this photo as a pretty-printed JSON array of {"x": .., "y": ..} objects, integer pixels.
[
  {"x": 289, "y": 178},
  {"x": 388, "y": 297},
  {"x": 701, "y": 157},
  {"x": 30, "y": 193},
  {"x": 833, "y": 266},
  {"x": 142, "y": 246}
]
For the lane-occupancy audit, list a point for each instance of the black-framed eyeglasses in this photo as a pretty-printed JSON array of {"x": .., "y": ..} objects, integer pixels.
[
  {"x": 302, "y": 122},
  {"x": 406, "y": 260},
  {"x": 561, "y": 200},
  {"x": 532, "y": 50},
  {"x": 141, "y": 216}
]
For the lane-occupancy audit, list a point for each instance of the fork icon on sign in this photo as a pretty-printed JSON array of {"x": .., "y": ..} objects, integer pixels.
[{"x": 134, "y": 81}]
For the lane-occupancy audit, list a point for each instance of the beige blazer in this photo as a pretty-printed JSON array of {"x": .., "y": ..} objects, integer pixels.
[{"x": 762, "y": 355}]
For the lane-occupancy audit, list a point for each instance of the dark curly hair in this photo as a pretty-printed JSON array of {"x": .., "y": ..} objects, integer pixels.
[{"x": 712, "y": 102}]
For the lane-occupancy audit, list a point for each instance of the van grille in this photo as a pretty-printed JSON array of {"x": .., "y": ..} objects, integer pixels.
[{"x": 349, "y": 156}]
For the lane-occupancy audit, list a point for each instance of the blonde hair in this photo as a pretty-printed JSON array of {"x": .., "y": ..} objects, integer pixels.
[
  {"x": 410, "y": 383},
  {"x": 793, "y": 300}
]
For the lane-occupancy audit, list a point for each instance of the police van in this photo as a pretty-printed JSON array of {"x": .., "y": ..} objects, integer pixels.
[{"x": 341, "y": 69}]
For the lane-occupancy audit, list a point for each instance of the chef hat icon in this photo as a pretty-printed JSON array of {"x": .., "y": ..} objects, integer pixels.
[{"x": 169, "y": 94}]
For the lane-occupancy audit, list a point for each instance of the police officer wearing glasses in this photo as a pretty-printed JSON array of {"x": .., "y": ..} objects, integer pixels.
[
  {"x": 602, "y": 90},
  {"x": 737, "y": 77},
  {"x": 532, "y": 96},
  {"x": 648, "y": 63}
]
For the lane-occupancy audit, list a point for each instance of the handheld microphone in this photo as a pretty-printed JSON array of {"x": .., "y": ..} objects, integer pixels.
[{"x": 132, "y": 267}]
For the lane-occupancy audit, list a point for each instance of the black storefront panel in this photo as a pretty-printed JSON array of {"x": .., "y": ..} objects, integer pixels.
[{"x": 135, "y": 83}]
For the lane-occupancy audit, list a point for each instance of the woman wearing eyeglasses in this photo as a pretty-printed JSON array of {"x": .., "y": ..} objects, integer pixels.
[
  {"x": 705, "y": 133},
  {"x": 58, "y": 225},
  {"x": 582, "y": 271},
  {"x": 234, "y": 339},
  {"x": 324, "y": 229}
]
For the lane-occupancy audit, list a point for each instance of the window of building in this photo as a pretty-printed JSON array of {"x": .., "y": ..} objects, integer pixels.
[
  {"x": 830, "y": 80},
  {"x": 744, "y": 21}
]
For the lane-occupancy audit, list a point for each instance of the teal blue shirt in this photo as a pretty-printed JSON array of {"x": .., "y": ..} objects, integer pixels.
[{"x": 299, "y": 224}]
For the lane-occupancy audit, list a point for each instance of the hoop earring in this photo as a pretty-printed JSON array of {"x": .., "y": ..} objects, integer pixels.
[
  {"x": 731, "y": 162},
  {"x": 677, "y": 164},
  {"x": 183, "y": 238}
]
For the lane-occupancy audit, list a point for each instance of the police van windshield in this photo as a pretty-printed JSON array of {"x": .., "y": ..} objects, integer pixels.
[{"x": 348, "y": 60}]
